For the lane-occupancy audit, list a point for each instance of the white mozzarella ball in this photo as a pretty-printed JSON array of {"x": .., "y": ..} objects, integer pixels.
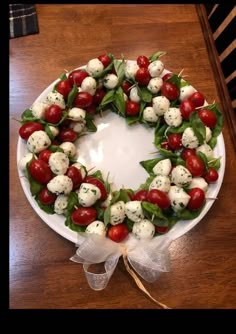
[
  {"x": 134, "y": 95},
  {"x": 39, "y": 109},
  {"x": 69, "y": 148},
  {"x": 156, "y": 68},
  {"x": 206, "y": 149},
  {"x": 94, "y": 67},
  {"x": 38, "y": 141},
  {"x": 189, "y": 139},
  {"x": 96, "y": 227},
  {"x": 173, "y": 117},
  {"x": 181, "y": 176},
  {"x": 143, "y": 230},
  {"x": 160, "y": 105},
  {"x": 134, "y": 211},
  {"x": 60, "y": 204},
  {"x": 54, "y": 130},
  {"x": 149, "y": 115},
  {"x": 110, "y": 81},
  {"x": 154, "y": 85},
  {"x": 186, "y": 92},
  {"x": 24, "y": 160},
  {"x": 58, "y": 163},
  {"x": 160, "y": 182},
  {"x": 208, "y": 134},
  {"x": 56, "y": 98},
  {"x": 78, "y": 127},
  {"x": 163, "y": 167},
  {"x": 89, "y": 85},
  {"x": 178, "y": 198},
  {"x": 199, "y": 182},
  {"x": 60, "y": 184},
  {"x": 131, "y": 70},
  {"x": 117, "y": 213},
  {"x": 77, "y": 114},
  {"x": 88, "y": 194}
]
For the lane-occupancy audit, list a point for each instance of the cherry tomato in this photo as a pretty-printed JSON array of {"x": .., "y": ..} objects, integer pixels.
[
  {"x": 75, "y": 175},
  {"x": 91, "y": 109},
  {"x": 118, "y": 232},
  {"x": 132, "y": 108},
  {"x": 175, "y": 141},
  {"x": 159, "y": 198},
  {"x": 46, "y": 197},
  {"x": 187, "y": 152},
  {"x": 161, "y": 229},
  {"x": 40, "y": 171},
  {"x": 99, "y": 184},
  {"x": 195, "y": 165},
  {"x": 67, "y": 135},
  {"x": 143, "y": 61},
  {"x": 169, "y": 90},
  {"x": 143, "y": 76},
  {"x": 53, "y": 114},
  {"x": 130, "y": 194},
  {"x": 211, "y": 176},
  {"x": 197, "y": 99},
  {"x": 45, "y": 155},
  {"x": 167, "y": 76},
  {"x": 63, "y": 87},
  {"x": 126, "y": 87},
  {"x": 140, "y": 195},
  {"x": 197, "y": 198},
  {"x": 76, "y": 77},
  {"x": 186, "y": 108},
  {"x": 27, "y": 129},
  {"x": 98, "y": 96},
  {"x": 105, "y": 59},
  {"x": 83, "y": 216},
  {"x": 83, "y": 100},
  {"x": 65, "y": 124},
  {"x": 165, "y": 145},
  {"x": 207, "y": 117}
]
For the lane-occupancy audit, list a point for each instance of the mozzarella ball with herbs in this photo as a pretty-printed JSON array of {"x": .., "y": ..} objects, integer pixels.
[
  {"x": 89, "y": 85},
  {"x": 199, "y": 182},
  {"x": 181, "y": 176},
  {"x": 60, "y": 204},
  {"x": 96, "y": 227},
  {"x": 173, "y": 117},
  {"x": 206, "y": 149},
  {"x": 110, "y": 81},
  {"x": 59, "y": 163},
  {"x": 156, "y": 68},
  {"x": 149, "y": 115},
  {"x": 77, "y": 114},
  {"x": 69, "y": 148},
  {"x": 178, "y": 198},
  {"x": 186, "y": 92},
  {"x": 189, "y": 139},
  {"x": 39, "y": 109},
  {"x": 160, "y": 105},
  {"x": 160, "y": 182},
  {"x": 134, "y": 95},
  {"x": 60, "y": 185},
  {"x": 143, "y": 230},
  {"x": 24, "y": 160},
  {"x": 131, "y": 69},
  {"x": 134, "y": 211},
  {"x": 54, "y": 130},
  {"x": 88, "y": 194},
  {"x": 94, "y": 67},
  {"x": 56, "y": 98},
  {"x": 154, "y": 85},
  {"x": 117, "y": 213},
  {"x": 38, "y": 141},
  {"x": 162, "y": 167}
]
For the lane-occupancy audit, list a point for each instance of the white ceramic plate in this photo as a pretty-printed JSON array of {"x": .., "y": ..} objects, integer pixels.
[{"x": 117, "y": 149}]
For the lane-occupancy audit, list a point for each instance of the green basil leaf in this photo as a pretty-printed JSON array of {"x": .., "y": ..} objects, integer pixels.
[
  {"x": 46, "y": 208},
  {"x": 98, "y": 175},
  {"x": 48, "y": 131},
  {"x": 176, "y": 80},
  {"x": 119, "y": 101},
  {"x": 167, "y": 153},
  {"x": 218, "y": 127},
  {"x": 129, "y": 224},
  {"x": 145, "y": 186},
  {"x": 204, "y": 159},
  {"x": 107, "y": 215},
  {"x": 106, "y": 69},
  {"x": 124, "y": 196},
  {"x": 35, "y": 187},
  {"x": 119, "y": 66},
  {"x": 55, "y": 148},
  {"x": 100, "y": 214},
  {"x": 213, "y": 141},
  {"x": 27, "y": 116},
  {"x": 149, "y": 164},
  {"x": 131, "y": 120},
  {"x": 156, "y": 55},
  {"x": 198, "y": 127},
  {"x": 73, "y": 202},
  {"x": 89, "y": 123},
  {"x": 72, "y": 96},
  {"x": 151, "y": 210},
  {"x": 186, "y": 214},
  {"x": 63, "y": 76},
  {"x": 214, "y": 163},
  {"x": 144, "y": 94},
  {"x": 108, "y": 98},
  {"x": 184, "y": 83},
  {"x": 159, "y": 133},
  {"x": 179, "y": 129}
]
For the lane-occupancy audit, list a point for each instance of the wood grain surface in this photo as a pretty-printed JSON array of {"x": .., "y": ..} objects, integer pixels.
[{"x": 203, "y": 261}]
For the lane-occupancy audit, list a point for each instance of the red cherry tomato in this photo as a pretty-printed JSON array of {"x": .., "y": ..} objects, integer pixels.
[
  {"x": 98, "y": 96},
  {"x": 118, "y": 232},
  {"x": 27, "y": 129},
  {"x": 75, "y": 175},
  {"x": 76, "y": 77},
  {"x": 140, "y": 195},
  {"x": 165, "y": 145},
  {"x": 40, "y": 171},
  {"x": 197, "y": 198},
  {"x": 195, "y": 165},
  {"x": 161, "y": 229},
  {"x": 197, "y": 99},
  {"x": 91, "y": 109},
  {"x": 99, "y": 184},
  {"x": 167, "y": 76},
  {"x": 132, "y": 108},
  {"x": 83, "y": 216},
  {"x": 46, "y": 197},
  {"x": 67, "y": 135},
  {"x": 186, "y": 108},
  {"x": 169, "y": 90},
  {"x": 105, "y": 59},
  {"x": 207, "y": 117},
  {"x": 211, "y": 176},
  {"x": 63, "y": 87},
  {"x": 175, "y": 141},
  {"x": 53, "y": 114},
  {"x": 187, "y": 152},
  {"x": 159, "y": 198},
  {"x": 45, "y": 155},
  {"x": 143, "y": 61},
  {"x": 83, "y": 100},
  {"x": 130, "y": 194},
  {"x": 126, "y": 87},
  {"x": 143, "y": 76}
]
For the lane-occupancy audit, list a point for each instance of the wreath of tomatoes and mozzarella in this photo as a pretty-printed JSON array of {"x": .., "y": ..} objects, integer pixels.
[{"x": 185, "y": 134}]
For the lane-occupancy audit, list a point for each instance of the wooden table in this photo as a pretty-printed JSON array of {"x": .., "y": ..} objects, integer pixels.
[{"x": 203, "y": 261}]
